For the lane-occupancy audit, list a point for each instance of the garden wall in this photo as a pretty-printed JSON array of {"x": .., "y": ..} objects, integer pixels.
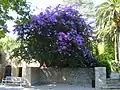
[{"x": 64, "y": 75}]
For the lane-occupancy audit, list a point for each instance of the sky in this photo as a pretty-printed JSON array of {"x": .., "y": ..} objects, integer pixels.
[
  {"x": 42, "y": 4},
  {"x": 38, "y": 5}
]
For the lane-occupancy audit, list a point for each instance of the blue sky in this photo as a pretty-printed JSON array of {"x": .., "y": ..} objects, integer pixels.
[{"x": 38, "y": 5}]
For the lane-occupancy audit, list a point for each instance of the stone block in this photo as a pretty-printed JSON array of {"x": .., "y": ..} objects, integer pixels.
[{"x": 100, "y": 77}]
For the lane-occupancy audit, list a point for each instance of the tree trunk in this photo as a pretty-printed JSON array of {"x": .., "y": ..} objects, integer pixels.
[
  {"x": 118, "y": 29},
  {"x": 116, "y": 33}
]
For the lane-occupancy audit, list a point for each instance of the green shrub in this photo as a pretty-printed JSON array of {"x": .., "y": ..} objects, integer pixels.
[{"x": 115, "y": 66}]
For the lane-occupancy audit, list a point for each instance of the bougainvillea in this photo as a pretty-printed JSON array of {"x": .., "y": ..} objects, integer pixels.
[{"x": 58, "y": 36}]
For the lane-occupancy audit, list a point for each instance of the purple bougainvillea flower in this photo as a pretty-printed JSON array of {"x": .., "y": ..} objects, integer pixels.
[
  {"x": 62, "y": 36},
  {"x": 79, "y": 40},
  {"x": 61, "y": 29}
]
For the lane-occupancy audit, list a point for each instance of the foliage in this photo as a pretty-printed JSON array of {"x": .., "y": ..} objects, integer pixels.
[
  {"x": 108, "y": 18},
  {"x": 109, "y": 13},
  {"x": 108, "y": 53},
  {"x": 8, "y": 44},
  {"x": 105, "y": 53},
  {"x": 86, "y": 7},
  {"x": 7, "y": 6},
  {"x": 59, "y": 36},
  {"x": 115, "y": 66}
]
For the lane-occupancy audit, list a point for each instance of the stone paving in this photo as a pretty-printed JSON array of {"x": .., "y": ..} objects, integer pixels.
[
  {"x": 51, "y": 87},
  {"x": 54, "y": 87}
]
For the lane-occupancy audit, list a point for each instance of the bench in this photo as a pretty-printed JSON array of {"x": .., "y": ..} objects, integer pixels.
[{"x": 9, "y": 80}]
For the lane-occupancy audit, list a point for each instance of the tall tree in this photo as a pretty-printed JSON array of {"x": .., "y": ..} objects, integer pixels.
[
  {"x": 59, "y": 36},
  {"x": 108, "y": 20},
  {"x": 21, "y": 7}
]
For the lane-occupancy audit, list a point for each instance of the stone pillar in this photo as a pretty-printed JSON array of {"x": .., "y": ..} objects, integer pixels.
[
  {"x": 100, "y": 77},
  {"x": 26, "y": 73},
  {"x": 1, "y": 68},
  {"x": 1, "y": 72},
  {"x": 24, "y": 70},
  {"x": 14, "y": 71}
]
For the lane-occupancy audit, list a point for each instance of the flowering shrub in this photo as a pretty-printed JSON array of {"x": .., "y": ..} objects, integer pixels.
[{"x": 58, "y": 36}]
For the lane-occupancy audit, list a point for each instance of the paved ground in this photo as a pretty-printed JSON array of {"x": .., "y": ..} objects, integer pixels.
[{"x": 51, "y": 87}]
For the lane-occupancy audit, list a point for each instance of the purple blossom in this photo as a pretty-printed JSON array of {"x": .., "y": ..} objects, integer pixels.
[
  {"x": 62, "y": 26},
  {"x": 79, "y": 40},
  {"x": 62, "y": 36},
  {"x": 82, "y": 21},
  {"x": 69, "y": 37}
]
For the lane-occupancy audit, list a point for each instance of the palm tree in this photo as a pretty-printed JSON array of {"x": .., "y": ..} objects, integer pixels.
[{"x": 108, "y": 21}]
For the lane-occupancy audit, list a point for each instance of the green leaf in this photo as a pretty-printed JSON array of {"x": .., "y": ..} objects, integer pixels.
[{"x": 2, "y": 22}]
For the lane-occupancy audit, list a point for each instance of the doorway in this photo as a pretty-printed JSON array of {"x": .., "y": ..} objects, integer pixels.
[
  {"x": 7, "y": 71},
  {"x": 20, "y": 72}
]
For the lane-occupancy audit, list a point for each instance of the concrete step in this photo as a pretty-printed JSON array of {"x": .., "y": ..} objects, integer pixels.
[
  {"x": 113, "y": 84},
  {"x": 116, "y": 85},
  {"x": 113, "y": 81},
  {"x": 111, "y": 87}
]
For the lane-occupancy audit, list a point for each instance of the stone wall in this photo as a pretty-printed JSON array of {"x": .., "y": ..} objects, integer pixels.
[{"x": 64, "y": 75}]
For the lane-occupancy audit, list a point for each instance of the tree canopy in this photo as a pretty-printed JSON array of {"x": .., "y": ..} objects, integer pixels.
[
  {"x": 108, "y": 21},
  {"x": 8, "y": 44},
  {"x": 58, "y": 36},
  {"x": 21, "y": 7}
]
